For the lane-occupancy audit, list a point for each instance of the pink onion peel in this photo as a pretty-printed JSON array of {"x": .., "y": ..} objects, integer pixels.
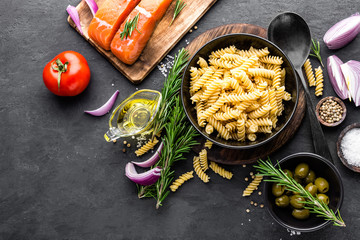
[
  {"x": 343, "y": 32},
  {"x": 92, "y": 5},
  {"x": 336, "y": 77},
  {"x": 104, "y": 108},
  {"x": 75, "y": 17},
  {"x": 146, "y": 178}
]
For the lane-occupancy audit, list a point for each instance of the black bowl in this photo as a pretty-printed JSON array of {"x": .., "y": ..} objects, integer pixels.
[
  {"x": 241, "y": 41},
  {"x": 322, "y": 168}
]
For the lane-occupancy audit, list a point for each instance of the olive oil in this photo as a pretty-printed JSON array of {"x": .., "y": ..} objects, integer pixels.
[{"x": 136, "y": 115}]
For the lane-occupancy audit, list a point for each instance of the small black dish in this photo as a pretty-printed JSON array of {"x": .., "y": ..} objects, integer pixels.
[
  {"x": 323, "y": 168},
  {"x": 241, "y": 41}
]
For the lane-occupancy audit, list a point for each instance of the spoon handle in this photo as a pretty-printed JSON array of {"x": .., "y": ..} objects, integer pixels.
[{"x": 319, "y": 142}]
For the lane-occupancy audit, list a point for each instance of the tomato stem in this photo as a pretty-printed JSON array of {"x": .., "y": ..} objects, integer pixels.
[{"x": 60, "y": 68}]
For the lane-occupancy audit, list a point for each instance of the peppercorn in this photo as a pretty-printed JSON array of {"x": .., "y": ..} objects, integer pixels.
[{"x": 331, "y": 111}]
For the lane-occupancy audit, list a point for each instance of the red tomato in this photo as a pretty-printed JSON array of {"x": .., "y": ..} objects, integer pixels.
[{"x": 68, "y": 74}]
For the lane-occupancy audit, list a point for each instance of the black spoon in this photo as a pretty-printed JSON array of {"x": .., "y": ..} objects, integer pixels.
[{"x": 290, "y": 32}]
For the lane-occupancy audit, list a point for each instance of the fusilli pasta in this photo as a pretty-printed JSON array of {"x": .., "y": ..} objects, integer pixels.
[
  {"x": 146, "y": 147},
  {"x": 183, "y": 178},
  {"x": 221, "y": 171},
  {"x": 252, "y": 186}
]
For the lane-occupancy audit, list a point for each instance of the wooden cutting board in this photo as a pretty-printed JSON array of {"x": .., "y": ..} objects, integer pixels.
[
  {"x": 232, "y": 156},
  {"x": 164, "y": 38}
]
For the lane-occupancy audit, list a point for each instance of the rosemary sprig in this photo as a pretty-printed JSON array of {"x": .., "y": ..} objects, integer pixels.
[
  {"x": 266, "y": 168},
  {"x": 129, "y": 27},
  {"x": 316, "y": 49},
  {"x": 178, "y": 7},
  {"x": 178, "y": 140},
  {"x": 171, "y": 88},
  {"x": 179, "y": 136}
]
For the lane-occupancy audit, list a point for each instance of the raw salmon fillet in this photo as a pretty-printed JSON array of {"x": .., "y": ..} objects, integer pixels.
[
  {"x": 150, "y": 12},
  {"x": 108, "y": 19}
]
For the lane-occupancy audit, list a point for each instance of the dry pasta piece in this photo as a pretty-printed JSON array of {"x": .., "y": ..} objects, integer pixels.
[
  {"x": 254, "y": 52},
  {"x": 209, "y": 129},
  {"x": 221, "y": 63},
  {"x": 220, "y": 52},
  {"x": 203, "y": 79},
  {"x": 242, "y": 106},
  {"x": 252, "y": 129},
  {"x": 265, "y": 129},
  {"x": 287, "y": 96},
  {"x": 260, "y": 112},
  {"x": 224, "y": 133},
  {"x": 274, "y": 120},
  {"x": 202, "y": 63},
  {"x": 221, "y": 171},
  {"x": 279, "y": 97},
  {"x": 251, "y": 96},
  {"x": 264, "y": 98},
  {"x": 309, "y": 72},
  {"x": 203, "y": 160},
  {"x": 251, "y": 137},
  {"x": 211, "y": 89},
  {"x": 277, "y": 77},
  {"x": 240, "y": 130},
  {"x": 231, "y": 126},
  {"x": 262, "y": 86},
  {"x": 145, "y": 148},
  {"x": 246, "y": 65},
  {"x": 208, "y": 144},
  {"x": 272, "y": 60},
  {"x": 183, "y": 178},
  {"x": 259, "y": 122},
  {"x": 252, "y": 186},
  {"x": 319, "y": 81},
  {"x": 273, "y": 102},
  {"x": 199, "y": 113},
  {"x": 214, "y": 108},
  {"x": 252, "y": 107},
  {"x": 231, "y": 114},
  {"x": 198, "y": 170},
  {"x": 234, "y": 84},
  {"x": 213, "y": 98},
  {"x": 261, "y": 72},
  {"x": 197, "y": 96}
]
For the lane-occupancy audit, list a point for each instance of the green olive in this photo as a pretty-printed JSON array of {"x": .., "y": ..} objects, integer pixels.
[
  {"x": 302, "y": 170},
  {"x": 301, "y": 213},
  {"x": 282, "y": 201},
  {"x": 277, "y": 190},
  {"x": 296, "y": 201},
  {"x": 311, "y": 188},
  {"x": 322, "y": 185},
  {"x": 324, "y": 198},
  {"x": 310, "y": 178},
  {"x": 288, "y": 172}
]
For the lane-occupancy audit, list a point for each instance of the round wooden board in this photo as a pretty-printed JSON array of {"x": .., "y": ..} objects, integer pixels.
[{"x": 235, "y": 157}]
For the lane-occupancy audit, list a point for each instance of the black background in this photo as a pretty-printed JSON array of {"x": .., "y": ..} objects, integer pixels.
[{"x": 57, "y": 180}]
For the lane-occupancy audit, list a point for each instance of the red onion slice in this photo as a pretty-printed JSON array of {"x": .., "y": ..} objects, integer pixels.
[
  {"x": 351, "y": 71},
  {"x": 152, "y": 160},
  {"x": 336, "y": 77},
  {"x": 92, "y": 5},
  {"x": 75, "y": 17},
  {"x": 343, "y": 32},
  {"x": 147, "y": 178},
  {"x": 104, "y": 108}
]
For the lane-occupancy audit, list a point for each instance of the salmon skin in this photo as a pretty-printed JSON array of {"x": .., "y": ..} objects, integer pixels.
[
  {"x": 150, "y": 12},
  {"x": 108, "y": 19}
]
